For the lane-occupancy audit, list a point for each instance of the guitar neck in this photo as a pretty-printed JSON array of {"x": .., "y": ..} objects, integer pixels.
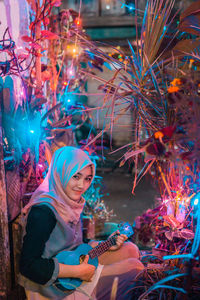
[{"x": 102, "y": 247}]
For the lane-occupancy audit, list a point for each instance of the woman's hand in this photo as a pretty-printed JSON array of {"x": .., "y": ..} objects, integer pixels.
[
  {"x": 86, "y": 271},
  {"x": 120, "y": 239}
]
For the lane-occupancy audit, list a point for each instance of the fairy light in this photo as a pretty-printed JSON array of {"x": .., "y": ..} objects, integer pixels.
[
  {"x": 78, "y": 21},
  {"x": 71, "y": 72},
  {"x": 131, "y": 7}
]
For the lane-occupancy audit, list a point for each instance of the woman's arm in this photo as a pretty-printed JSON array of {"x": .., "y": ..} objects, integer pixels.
[{"x": 40, "y": 223}]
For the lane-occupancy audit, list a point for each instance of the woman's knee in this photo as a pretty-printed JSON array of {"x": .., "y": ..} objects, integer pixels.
[
  {"x": 131, "y": 250},
  {"x": 135, "y": 264},
  {"x": 132, "y": 265}
]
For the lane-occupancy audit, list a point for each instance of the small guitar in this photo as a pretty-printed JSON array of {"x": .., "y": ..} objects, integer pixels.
[{"x": 77, "y": 256}]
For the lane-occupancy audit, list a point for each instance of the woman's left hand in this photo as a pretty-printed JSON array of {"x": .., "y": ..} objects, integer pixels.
[{"x": 120, "y": 239}]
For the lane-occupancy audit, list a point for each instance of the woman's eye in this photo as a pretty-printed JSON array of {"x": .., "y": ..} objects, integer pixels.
[
  {"x": 76, "y": 177},
  {"x": 88, "y": 179}
]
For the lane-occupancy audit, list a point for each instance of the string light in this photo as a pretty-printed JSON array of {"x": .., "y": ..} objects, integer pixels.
[{"x": 78, "y": 21}]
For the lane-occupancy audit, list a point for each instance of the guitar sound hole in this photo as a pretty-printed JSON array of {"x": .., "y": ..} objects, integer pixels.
[{"x": 81, "y": 258}]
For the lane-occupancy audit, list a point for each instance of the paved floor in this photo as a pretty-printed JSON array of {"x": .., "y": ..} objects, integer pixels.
[{"x": 118, "y": 184}]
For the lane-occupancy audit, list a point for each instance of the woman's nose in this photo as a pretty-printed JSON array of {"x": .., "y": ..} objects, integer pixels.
[{"x": 80, "y": 183}]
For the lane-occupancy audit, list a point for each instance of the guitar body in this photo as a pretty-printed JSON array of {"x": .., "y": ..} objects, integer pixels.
[
  {"x": 73, "y": 258},
  {"x": 76, "y": 257}
]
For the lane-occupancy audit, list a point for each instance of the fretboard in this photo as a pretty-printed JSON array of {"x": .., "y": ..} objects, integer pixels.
[{"x": 102, "y": 247}]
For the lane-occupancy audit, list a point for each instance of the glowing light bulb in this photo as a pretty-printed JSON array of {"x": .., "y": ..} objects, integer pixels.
[
  {"x": 78, "y": 22},
  {"x": 71, "y": 72},
  {"x": 131, "y": 7}
]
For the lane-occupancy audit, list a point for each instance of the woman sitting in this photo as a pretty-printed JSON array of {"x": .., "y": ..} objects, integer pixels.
[{"x": 53, "y": 224}]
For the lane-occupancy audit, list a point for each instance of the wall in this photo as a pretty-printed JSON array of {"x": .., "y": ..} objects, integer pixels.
[{"x": 122, "y": 131}]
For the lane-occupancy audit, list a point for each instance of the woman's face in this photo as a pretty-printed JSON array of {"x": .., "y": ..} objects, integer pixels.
[{"x": 79, "y": 183}]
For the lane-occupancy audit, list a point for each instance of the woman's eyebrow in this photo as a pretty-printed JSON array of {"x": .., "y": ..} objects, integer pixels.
[{"x": 79, "y": 173}]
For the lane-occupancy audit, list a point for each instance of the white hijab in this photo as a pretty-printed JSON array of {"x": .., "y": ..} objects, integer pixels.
[{"x": 65, "y": 163}]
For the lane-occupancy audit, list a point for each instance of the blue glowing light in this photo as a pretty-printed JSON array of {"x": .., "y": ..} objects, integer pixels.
[
  {"x": 195, "y": 200},
  {"x": 131, "y": 7},
  {"x": 32, "y": 131}
]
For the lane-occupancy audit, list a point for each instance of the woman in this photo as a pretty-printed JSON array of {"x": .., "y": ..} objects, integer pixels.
[{"x": 53, "y": 224}]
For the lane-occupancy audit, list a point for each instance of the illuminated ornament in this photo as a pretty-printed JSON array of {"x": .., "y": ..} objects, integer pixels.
[
  {"x": 176, "y": 82},
  {"x": 195, "y": 199},
  {"x": 71, "y": 72},
  {"x": 198, "y": 91},
  {"x": 131, "y": 7},
  {"x": 173, "y": 89},
  {"x": 158, "y": 135},
  {"x": 77, "y": 22}
]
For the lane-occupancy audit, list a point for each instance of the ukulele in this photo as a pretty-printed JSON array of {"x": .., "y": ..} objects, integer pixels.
[{"x": 77, "y": 256}]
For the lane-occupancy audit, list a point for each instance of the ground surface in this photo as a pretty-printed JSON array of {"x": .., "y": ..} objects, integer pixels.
[{"x": 118, "y": 184}]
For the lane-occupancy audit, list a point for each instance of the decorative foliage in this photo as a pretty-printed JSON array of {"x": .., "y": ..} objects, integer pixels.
[{"x": 95, "y": 206}]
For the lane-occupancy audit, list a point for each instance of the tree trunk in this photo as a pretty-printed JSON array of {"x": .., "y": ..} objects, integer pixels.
[{"x": 5, "y": 268}]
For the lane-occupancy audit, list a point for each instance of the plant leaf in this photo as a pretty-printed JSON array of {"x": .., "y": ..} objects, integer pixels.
[
  {"x": 169, "y": 235},
  {"x": 186, "y": 234},
  {"x": 26, "y": 38},
  {"x": 185, "y": 46},
  {"x": 49, "y": 35},
  {"x": 192, "y": 9}
]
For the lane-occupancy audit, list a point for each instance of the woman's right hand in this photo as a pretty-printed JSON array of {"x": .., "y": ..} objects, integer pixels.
[{"x": 86, "y": 271}]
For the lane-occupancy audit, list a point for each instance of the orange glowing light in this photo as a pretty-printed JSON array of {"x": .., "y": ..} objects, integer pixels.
[
  {"x": 158, "y": 135},
  {"x": 173, "y": 89},
  {"x": 176, "y": 82},
  {"x": 78, "y": 22}
]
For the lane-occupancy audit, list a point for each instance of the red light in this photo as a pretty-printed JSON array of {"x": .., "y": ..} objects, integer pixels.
[{"x": 78, "y": 22}]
